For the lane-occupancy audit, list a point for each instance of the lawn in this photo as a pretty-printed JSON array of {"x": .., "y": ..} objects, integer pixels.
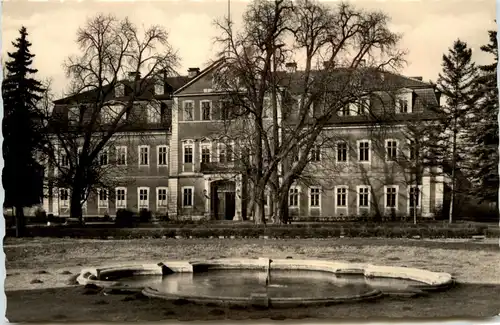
[{"x": 51, "y": 263}]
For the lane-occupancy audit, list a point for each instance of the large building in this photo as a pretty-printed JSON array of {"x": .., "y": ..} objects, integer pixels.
[{"x": 181, "y": 168}]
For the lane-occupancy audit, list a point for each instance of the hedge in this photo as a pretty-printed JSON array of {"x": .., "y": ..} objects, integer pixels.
[{"x": 357, "y": 230}]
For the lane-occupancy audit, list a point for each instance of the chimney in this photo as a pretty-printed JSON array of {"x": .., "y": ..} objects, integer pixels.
[
  {"x": 134, "y": 75},
  {"x": 193, "y": 72},
  {"x": 417, "y": 78},
  {"x": 291, "y": 67}
]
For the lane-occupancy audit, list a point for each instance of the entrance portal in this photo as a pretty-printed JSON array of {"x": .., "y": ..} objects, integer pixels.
[{"x": 223, "y": 200}]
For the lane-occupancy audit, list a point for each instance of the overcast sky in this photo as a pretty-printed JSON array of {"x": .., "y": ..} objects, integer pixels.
[{"x": 429, "y": 28}]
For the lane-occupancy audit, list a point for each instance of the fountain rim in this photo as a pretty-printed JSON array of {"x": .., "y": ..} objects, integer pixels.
[{"x": 430, "y": 280}]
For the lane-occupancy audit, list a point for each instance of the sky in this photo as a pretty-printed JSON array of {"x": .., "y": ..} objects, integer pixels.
[{"x": 429, "y": 28}]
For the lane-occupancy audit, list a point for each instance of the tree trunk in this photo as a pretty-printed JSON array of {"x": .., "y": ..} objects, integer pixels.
[
  {"x": 453, "y": 175},
  {"x": 19, "y": 221},
  {"x": 75, "y": 205},
  {"x": 259, "y": 216},
  {"x": 283, "y": 207}
]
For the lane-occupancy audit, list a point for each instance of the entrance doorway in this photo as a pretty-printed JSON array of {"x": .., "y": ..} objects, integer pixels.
[{"x": 223, "y": 200}]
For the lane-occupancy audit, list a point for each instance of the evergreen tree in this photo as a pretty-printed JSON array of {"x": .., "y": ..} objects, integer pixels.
[
  {"x": 484, "y": 128},
  {"x": 456, "y": 83},
  {"x": 21, "y": 175}
]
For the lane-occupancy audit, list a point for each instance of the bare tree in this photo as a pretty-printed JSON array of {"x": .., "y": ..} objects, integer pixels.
[
  {"x": 341, "y": 50},
  {"x": 102, "y": 107}
]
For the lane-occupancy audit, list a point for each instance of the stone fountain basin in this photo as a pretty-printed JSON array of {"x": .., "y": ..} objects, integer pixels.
[{"x": 110, "y": 277}]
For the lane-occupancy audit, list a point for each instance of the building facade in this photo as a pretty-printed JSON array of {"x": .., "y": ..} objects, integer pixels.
[{"x": 187, "y": 171}]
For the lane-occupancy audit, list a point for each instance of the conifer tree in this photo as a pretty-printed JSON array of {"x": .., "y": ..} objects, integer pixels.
[
  {"x": 484, "y": 129},
  {"x": 22, "y": 174},
  {"x": 456, "y": 83}
]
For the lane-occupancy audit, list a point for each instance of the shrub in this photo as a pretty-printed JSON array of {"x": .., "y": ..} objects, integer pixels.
[
  {"x": 124, "y": 218},
  {"x": 144, "y": 215}
]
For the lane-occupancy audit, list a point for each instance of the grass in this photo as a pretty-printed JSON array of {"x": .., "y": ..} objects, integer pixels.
[{"x": 473, "y": 264}]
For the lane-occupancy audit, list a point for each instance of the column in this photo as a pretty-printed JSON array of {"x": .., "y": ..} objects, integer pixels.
[
  {"x": 426, "y": 193},
  {"x": 237, "y": 215},
  {"x": 207, "y": 194}
]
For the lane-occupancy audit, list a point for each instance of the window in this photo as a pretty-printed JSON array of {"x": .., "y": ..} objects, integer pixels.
[
  {"x": 121, "y": 197},
  {"x": 188, "y": 110},
  {"x": 206, "y": 109},
  {"x": 187, "y": 196},
  {"x": 364, "y": 150},
  {"x": 402, "y": 105},
  {"x": 143, "y": 155},
  {"x": 362, "y": 106},
  {"x": 413, "y": 150},
  {"x": 162, "y": 155},
  {"x": 102, "y": 198},
  {"x": 161, "y": 197},
  {"x": 316, "y": 153},
  {"x": 225, "y": 111},
  {"x": 342, "y": 197},
  {"x": 188, "y": 153},
  {"x": 74, "y": 115},
  {"x": 103, "y": 157},
  {"x": 121, "y": 155},
  {"x": 315, "y": 197},
  {"x": 364, "y": 196},
  {"x": 64, "y": 197},
  {"x": 64, "y": 159},
  {"x": 205, "y": 152},
  {"x": 391, "y": 150},
  {"x": 159, "y": 88},
  {"x": 345, "y": 110},
  {"x": 390, "y": 197},
  {"x": 109, "y": 113},
  {"x": 414, "y": 196},
  {"x": 153, "y": 112},
  {"x": 295, "y": 154},
  {"x": 143, "y": 196},
  {"x": 293, "y": 197},
  {"x": 119, "y": 90},
  {"x": 266, "y": 107},
  {"x": 79, "y": 154},
  {"x": 225, "y": 152},
  {"x": 342, "y": 151}
]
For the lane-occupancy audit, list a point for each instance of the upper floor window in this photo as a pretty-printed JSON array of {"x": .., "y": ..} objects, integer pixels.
[
  {"x": 188, "y": 110},
  {"x": 74, "y": 115},
  {"x": 143, "y": 155},
  {"x": 109, "y": 113},
  {"x": 363, "y": 106},
  {"x": 103, "y": 157},
  {"x": 412, "y": 155},
  {"x": 364, "y": 150},
  {"x": 188, "y": 153},
  {"x": 206, "y": 110},
  {"x": 391, "y": 149},
  {"x": 205, "y": 152},
  {"x": 404, "y": 102},
  {"x": 316, "y": 153},
  {"x": 64, "y": 158},
  {"x": 121, "y": 155},
  {"x": 153, "y": 112},
  {"x": 162, "y": 155},
  {"x": 342, "y": 151},
  {"x": 159, "y": 88},
  {"x": 345, "y": 110},
  {"x": 119, "y": 90},
  {"x": 225, "y": 152}
]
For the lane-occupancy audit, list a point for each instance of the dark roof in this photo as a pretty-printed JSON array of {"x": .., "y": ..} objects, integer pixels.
[{"x": 171, "y": 85}]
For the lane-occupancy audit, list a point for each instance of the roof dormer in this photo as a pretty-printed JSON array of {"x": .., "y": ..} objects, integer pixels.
[{"x": 119, "y": 90}]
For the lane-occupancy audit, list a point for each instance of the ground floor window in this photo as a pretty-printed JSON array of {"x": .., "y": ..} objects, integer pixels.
[
  {"x": 364, "y": 197},
  {"x": 161, "y": 197},
  {"x": 64, "y": 197},
  {"x": 414, "y": 197},
  {"x": 315, "y": 197},
  {"x": 390, "y": 196},
  {"x": 293, "y": 197},
  {"x": 342, "y": 197},
  {"x": 187, "y": 197},
  {"x": 102, "y": 201},
  {"x": 143, "y": 197},
  {"x": 121, "y": 198}
]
